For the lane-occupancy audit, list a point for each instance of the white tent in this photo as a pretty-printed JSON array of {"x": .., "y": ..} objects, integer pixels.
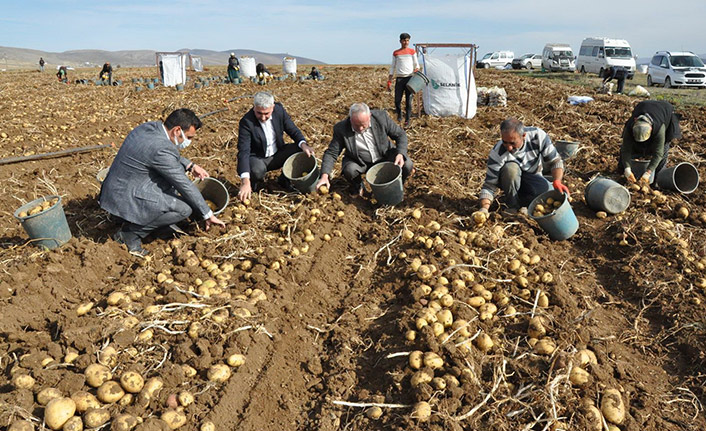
[
  {"x": 452, "y": 87},
  {"x": 196, "y": 64},
  {"x": 173, "y": 67}
]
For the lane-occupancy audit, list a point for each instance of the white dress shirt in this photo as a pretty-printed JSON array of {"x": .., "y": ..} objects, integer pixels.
[{"x": 365, "y": 144}]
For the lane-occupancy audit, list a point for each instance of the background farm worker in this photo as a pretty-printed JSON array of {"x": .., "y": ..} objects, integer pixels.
[
  {"x": 365, "y": 137},
  {"x": 647, "y": 134},
  {"x": 233, "y": 68},
  {"x": 619, "y": 73},
  {"x": 41, "y": 64},
  {"x": 147, "y": 186},
  {"x": 314, "y": 74},
  {"x": 62, "y": 75},
  {"x": 263, "y": 75},
  {"x": 161, "y": 71},
  {"x": 404, "y": 64},
  {"x": 515, "y": 166},
  {"x": 106, "y": 73},
  {"x": 261, "y": 146}
]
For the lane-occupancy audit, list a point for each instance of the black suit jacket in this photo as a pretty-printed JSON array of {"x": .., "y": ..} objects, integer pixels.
[{"x": 252, "y": 140}]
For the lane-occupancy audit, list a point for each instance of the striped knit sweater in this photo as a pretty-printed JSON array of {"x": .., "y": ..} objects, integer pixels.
[
  {"x": 537, "y": 151},
  {"x": 404, "y": 62}
]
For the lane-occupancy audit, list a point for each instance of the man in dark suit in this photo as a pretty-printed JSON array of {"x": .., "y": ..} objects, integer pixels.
[
  {"x": 147, "y": 186},
  {"x": 364, "y": 135},
  {"x": 261, "y": 147}
]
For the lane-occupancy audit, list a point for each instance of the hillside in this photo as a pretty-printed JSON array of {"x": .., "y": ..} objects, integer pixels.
[{"x": 21, "y": 58}]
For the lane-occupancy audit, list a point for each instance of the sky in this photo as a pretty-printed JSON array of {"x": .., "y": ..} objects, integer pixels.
[{"x": 345, "y": 32}]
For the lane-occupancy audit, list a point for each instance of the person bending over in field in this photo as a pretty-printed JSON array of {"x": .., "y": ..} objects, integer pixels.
[
  {"x": 147, "y": 187},
  {"x": 365, "y": 137},
  {"x": 233, "y": 68},
  {"x": 647, "y": 134},
  {"x": 261, "y": 146},
  {"x": 515, "y": 166}
]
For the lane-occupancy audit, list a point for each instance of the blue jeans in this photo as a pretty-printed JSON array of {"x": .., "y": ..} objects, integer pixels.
[{"x": 519, "y": 187}]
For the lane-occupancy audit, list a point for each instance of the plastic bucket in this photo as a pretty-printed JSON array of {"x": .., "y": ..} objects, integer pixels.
[
  {"x": 386, "y": 181},
  {"x": 560, "y": 224},
  {"x": 682, "y": 178},
  {"x": 150, "y": 85},
  {"x": 603, "y": 194},
  {"x": 48, "y": 228},
  {"x": 138, "y": 88},
  {"x": 206, "y": 83},
  {"x": 213, "y": 190},
  {"x": 179, "y": 87},
  {"x": 639, "y": 167},
  {"x": 417, "y": 82},
  {"x": 566, "y": 149},
  {"x": 197, "y": 85},
  {"x": 302, "y": 171}
]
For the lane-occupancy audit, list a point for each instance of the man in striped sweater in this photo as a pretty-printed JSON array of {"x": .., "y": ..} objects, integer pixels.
[
  {"x": 404, "y": 64},
  {"x": 515, "y": 166}
]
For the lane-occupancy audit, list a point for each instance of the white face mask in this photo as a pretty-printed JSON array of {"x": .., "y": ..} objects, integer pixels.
[{"x": 185, "y": 143}]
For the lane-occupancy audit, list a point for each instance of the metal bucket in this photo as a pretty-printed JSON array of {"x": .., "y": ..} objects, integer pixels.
[
  {"x": 560, "y": 224},
  {"x": 603, "y": 194},
  {"x": 386, "y": 181},
  {"x": 566, "y": 149},
  {"x": 48, "y": 228},
  {"x": 639, "y": 167},
  {"x": 197, "y": 85},
  {"x": 150, "y": 85},
  {"x": 682, "y": 178},
  {"x": 417, "y": 82},
  {"x": 302, "y": 171},
  {"x": 138, "y": 88},
  {"x": 180, "y": 87},
  {"x": 213, "y": 190}
]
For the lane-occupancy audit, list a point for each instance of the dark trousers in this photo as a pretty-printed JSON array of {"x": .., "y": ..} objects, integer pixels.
[
  {"x": 179, "y": 212},
  {"x": 519, "y": 187},
  {"x": 233, "y": 75},
  {"x": 401, "y": 88},
  {"x": 261, "y": 166},
  {"x": 352, "y": 170}
]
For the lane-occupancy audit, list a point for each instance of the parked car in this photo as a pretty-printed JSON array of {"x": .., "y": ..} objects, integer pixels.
[
  {"x": 558, "y": 57},
  {"x": 599, "y": 53},
  {"x": 676, "y": 69},
  {"x": 495, "y": 59},
  {"x": 527, "y": 61}
]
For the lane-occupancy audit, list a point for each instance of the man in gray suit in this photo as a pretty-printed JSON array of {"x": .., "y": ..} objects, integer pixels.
[
  {"x": 147, "y": 186},
  {"x": 364, "y": 135}
]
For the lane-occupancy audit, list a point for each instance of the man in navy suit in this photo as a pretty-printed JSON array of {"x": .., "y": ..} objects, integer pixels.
[{"x": 261, "y": 147}]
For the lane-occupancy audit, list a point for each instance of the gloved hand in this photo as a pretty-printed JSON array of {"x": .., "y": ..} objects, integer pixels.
[
  {"x": 389, "y": 85},
  {"x": 629, "y": 175},
  {"x": 645, "y": 178},
  {"x": 558, "y": 186}
]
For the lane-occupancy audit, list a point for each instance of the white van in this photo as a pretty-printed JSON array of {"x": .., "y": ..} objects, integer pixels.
[
  {"x": 599, "y": 53},
  {"x": 496, "y": 59},
  {"x": 558, "y": 56}
]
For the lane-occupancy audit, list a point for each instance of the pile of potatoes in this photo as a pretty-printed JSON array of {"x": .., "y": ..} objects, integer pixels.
[
  {"x": 547, "y": 207},
  {"x": 39, "y": 208}
]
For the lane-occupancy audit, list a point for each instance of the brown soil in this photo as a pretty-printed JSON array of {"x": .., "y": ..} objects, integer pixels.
[{"x": 330, "y": 317}]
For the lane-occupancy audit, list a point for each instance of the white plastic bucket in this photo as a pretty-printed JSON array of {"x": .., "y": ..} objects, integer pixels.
[
  {"x": 247, "y": 66},
  {"x": 289, "y": 65}
]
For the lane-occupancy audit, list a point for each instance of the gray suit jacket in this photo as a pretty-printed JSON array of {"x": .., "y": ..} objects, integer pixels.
[
  {"x": 344, "y": 138},
  {"x": 145, "y": 177}
]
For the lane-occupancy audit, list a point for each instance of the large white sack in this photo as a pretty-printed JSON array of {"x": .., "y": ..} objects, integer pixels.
[
  {"x": 289, "y": 65},
  {"x": 247, "y": 66},
  {"x": 174, "y": 67},
  {"x": 449, "y": 92}
]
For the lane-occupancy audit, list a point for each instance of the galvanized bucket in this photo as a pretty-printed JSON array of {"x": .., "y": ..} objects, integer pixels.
[
  {"x": 302, "y": 171},
  {"x": 604, "y": 194},
  {"x": 213, "y": 190},
  {"x": 385, "y": 180},
  {"x": 417, "y": 82},
  {"x": 682, "y": 178}
]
